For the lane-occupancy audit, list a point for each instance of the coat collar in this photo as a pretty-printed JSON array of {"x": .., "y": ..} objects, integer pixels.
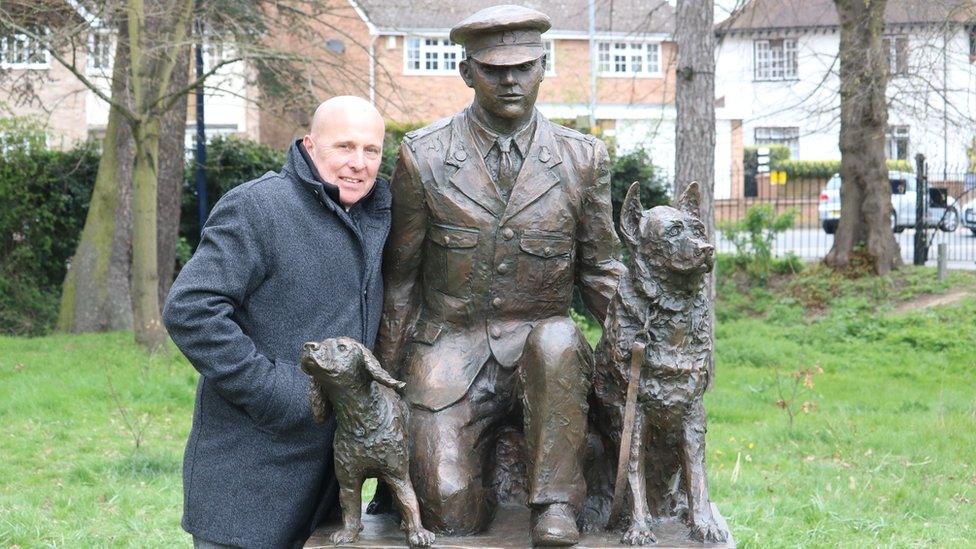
[
  {"x": 472, "y": 179},
  {"x": 299, "y": 167}
]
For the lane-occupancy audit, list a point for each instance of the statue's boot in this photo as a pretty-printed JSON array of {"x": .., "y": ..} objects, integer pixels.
[{"x": 554, "y": 525}]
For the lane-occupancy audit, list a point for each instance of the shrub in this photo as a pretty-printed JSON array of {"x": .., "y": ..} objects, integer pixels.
[
  {"x": 391, "y": 144},
  {"x": 753, "y": 237},
  {"x": 630, "y": 167},
  {"x": 825, "y": 169},
  {"x": 45, "y": 196},
  {"x": 230, "y": 162}
]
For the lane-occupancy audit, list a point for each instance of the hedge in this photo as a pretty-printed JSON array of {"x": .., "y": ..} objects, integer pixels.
[{"x": 45, "y": 196}]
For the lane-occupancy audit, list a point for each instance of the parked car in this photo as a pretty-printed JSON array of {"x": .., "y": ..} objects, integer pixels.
[
  {"x": 942, "y": 214},
  {"x": 969, "y": 216}
]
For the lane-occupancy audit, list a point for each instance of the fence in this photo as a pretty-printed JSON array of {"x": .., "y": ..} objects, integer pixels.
[{"x": 950, "y": 211}]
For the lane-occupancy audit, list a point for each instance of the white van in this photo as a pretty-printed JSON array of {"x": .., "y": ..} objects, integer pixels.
[{"x": 903, "y": 193}]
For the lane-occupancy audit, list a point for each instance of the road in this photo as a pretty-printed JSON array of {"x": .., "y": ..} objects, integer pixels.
[{"x": 814, "y": 244}]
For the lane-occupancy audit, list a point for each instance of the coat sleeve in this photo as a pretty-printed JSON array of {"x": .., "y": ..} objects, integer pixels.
[
  {"x": 598, "y": 268},
  {"x": 230, "y": 262},
  {"x": 402, "y": 261}
]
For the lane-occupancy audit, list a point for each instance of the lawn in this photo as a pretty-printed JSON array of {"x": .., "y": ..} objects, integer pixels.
[{"x": 879, "y": 451}]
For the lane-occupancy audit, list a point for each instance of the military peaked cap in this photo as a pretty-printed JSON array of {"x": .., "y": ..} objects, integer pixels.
[{"x": 503, "y": 35}]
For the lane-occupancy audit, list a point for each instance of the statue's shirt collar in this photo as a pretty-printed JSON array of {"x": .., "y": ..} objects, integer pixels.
[{"x": 484, "y": 137}]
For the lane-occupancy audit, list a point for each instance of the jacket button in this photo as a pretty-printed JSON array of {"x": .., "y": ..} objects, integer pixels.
[
  {"x": 496, "y": 332},
  {"x": 497, "y": 302},
  {"x": 507, "y": 233},
  {"x": 547, "y": 250},
  {"x": 447, "y": 239},
  {"x": 502, "y": 268}
]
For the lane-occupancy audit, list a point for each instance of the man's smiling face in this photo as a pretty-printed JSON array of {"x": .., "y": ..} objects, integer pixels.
[{"x": 346, "y": 149}]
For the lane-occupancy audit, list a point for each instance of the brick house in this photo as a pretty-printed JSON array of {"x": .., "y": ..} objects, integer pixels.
[
  {"x": 409, "y": 66},
  {"x": 70, "y": 113}
]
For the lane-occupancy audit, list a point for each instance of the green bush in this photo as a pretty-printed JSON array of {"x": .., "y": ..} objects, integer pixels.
[
  {"x": 825, "y": 169},
  {"x": 391, "y": 144},
  {"x": 230, "y": 162},
  {"x": 753, "y": 237},
  {"x": 44, "y": 197},
  {"x": 634, "y": 166}
]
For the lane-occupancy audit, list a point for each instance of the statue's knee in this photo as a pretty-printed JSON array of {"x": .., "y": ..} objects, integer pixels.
[
  {"x": 454, "y": 508},
  {"x": 552, "y": 337}
]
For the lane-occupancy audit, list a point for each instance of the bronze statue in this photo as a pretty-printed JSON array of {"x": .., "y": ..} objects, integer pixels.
[
  {"x": 370, "y": 439},
  {"x": 498, "y": 214},
  {"x": 652, "y": 368}
]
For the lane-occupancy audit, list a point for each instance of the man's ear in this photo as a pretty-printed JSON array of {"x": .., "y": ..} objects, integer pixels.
[
  {"x": 631, "y": 213},
  {"x": 467, "y": 72},
  {"x": 377, "y": 372}
]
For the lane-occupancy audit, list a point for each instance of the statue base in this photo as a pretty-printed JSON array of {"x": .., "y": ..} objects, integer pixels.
[{"x": 510, "y": 529}]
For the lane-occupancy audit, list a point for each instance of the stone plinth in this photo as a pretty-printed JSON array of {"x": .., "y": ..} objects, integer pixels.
[{"x": 509, "y": 530}]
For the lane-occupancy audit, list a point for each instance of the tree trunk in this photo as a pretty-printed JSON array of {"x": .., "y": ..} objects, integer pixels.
[
  {"x": 171, "y": 166},
  {"x": 147, "y": 321},
  {"x": 95, "y": 295},
  {"x": 695, "y": 102},
  {"x": 695, "y": 124},
  {"x": 865, "y": 194}
]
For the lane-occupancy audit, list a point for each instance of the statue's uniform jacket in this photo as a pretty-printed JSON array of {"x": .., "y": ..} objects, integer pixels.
[
  {"x": 279, "y": 264},
  {"x": 468, "y": 274}
]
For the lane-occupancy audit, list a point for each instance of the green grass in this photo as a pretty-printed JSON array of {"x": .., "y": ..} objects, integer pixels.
[{"x": 884, "y": 456}]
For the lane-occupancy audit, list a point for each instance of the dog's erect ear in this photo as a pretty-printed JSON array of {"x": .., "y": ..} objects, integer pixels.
[
  {"x": 321, "y": 407},
  {"x": 378, "y": 373},
  {"x": 690, "y": 200},
  {"x": 630, "y": 215}
]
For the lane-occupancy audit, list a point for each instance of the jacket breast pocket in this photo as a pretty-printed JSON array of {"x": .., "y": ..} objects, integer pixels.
[
  {"x": 449, "y": 259},
  {"x": 545, "y": 266}
]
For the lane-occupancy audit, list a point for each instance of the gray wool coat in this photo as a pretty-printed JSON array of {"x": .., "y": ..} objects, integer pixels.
[{"x": 279, "y": 263}]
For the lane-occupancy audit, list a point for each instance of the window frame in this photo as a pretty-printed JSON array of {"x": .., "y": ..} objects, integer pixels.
[
  {"x": 27, "y": 40},
  {"x": 790, "y": 70},
  {"x": 896, "y": 53},
  {"x": 549, "y": 45},
  {"x": 614, "y": 53},
  {"x": 443, "y": 47},
  {"x": 895, "y": 134},
  {"x": 784, "y": 136},
  {"x": 90, "y": 64}
]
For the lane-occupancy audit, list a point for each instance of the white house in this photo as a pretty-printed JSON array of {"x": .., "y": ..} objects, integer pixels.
[
  {"x": 71, "y": 113},
  {"x": 777, "y": 74}
]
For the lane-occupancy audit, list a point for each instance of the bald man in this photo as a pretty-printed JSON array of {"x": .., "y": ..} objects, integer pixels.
[{"x": 290, "y": 257}]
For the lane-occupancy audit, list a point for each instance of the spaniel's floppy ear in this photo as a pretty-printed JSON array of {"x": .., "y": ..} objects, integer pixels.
[
  {"x": 321, "y": 407},
  {"x": 377, "y": 372},
  {"x": 631, "y": 213}
]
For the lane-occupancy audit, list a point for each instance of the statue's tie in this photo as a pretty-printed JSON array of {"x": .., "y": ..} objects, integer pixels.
[{"x": 508, "y": 166}]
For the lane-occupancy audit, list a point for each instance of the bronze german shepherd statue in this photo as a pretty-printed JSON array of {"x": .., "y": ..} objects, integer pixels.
[{"x": 661, "y": 304}]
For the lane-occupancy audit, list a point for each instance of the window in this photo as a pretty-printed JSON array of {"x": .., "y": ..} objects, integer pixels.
[
  {"x": 628, "y": 58},
  {"x": 775, "y": 59},
  {"x": 550, "y": 57},
  {"x": 789, "y": 137},
  {"x": 18, "y": 141},
  {"x": 432, "y": 56},
  {"x": 896, "y": 143},
  {"x": 101, "y": 49},
  {"x": 896, "y": 50},
  {"x": 20, "y": 51}
]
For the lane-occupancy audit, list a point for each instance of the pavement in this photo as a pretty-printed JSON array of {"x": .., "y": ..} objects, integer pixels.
[{"x": 815, "y": 243}]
